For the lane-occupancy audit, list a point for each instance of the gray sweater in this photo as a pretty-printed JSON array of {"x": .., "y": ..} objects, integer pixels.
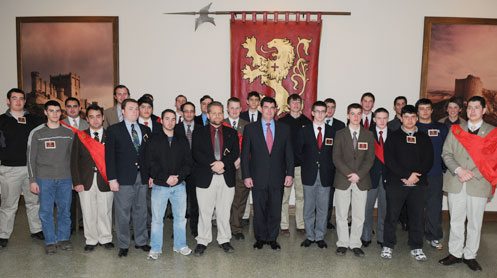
[{"x": 49, "y": 153}]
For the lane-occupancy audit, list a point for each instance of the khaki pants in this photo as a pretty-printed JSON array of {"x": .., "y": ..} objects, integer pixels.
[
  {"x": 344, "y": 199},
  {"x": 299, "y": 203}
]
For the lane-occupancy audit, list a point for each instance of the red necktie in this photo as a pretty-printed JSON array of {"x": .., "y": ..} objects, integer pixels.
[
  {"x": 319, "y": 138},
  {"x": 269, "y": 137},
  {"x": 146, "y": 123},
  {"x": 366, "y": 123},
  {"x": 381, "y": 138}
]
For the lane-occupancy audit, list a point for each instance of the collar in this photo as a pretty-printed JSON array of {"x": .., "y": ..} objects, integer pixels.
[
  {"x": 476, "y": 126},
  {"x": 25, "y": 112},
  {"x": 409, "y": 132}
]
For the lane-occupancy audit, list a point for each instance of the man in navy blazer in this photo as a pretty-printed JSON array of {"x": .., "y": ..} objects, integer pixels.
[{"x": 123, "y": 151}]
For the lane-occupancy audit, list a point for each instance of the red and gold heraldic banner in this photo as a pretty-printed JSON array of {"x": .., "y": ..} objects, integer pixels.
[{"x": 275, "y": 58}]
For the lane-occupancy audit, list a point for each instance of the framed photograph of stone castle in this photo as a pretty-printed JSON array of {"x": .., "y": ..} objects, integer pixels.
[
  {"x": 459, "y": 59},
  {"x": 61, "y": 57}
]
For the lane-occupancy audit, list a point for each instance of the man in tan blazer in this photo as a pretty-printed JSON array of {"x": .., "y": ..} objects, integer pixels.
[
  {"x": 114, "y": 114},
  {"x": 468, "y": 191},
  {"x": 353, "y": 156}
]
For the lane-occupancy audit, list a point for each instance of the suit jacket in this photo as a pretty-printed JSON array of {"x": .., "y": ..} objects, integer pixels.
[
  {"x": 347, "y": 160},
  {"x": 83, "y": 125},
  {"x": 240, "y": 125},
  {"x": 314, "y": 159},
  {"x": 110, "y": 115},
  {"x": 337, "y": 124},
  {"x": 379, "y": 170},
  {"x": 203, "y": 155},
  {"x": 198, "y": 120},
  {"x": 245, "y": 115},
  {"x": 83, "y": 165},
  {"x": 445, "y": 120},
  {"x": 121, "y": 158},
  {"x": 156, "y": 127},
  {"x": 267, "y": 170},
  {"x": 455, "y": 155}
]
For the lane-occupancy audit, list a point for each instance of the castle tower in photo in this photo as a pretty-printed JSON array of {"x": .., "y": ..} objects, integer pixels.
[{"x": 468, "y": 87}]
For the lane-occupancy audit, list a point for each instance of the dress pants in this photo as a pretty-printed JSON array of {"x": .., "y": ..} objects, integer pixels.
[
  {"x": 316, "y": 210},
  {"x": 461, "y": 207},
  {"x": 97, "y": 214},
  {"x": 433, "y": 208},
  {"x": 356, "y": 198},
  {"x": 13, "y": 182},
  {"x": 217, "y": 196},
  {"x": 373, "y": 195},
  {"x": 191, "y": 195},
  {"x": 413, "y": 197},
  {"x": 131, "y": 202},
  {"x": 239, "y": 204},
  {"x": 299, "y": 202},
  {"x": 267, "y": 211}
]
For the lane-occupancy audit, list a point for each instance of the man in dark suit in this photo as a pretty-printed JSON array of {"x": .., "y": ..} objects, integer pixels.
[
  {"x": 215, "y": 148},
  {"x": 114, "y": 115},
  {"x": 94, "y": 193},
  {"x": 267, "y": 166},
  {"x": 314, "y": 150},
  {"x": 202, "y": 119},
  {"x": 398, "y": 103},
  {"x": 367, "y": 104},
  {"x": 123, "y": 151},
  {"x": 252, "y": 114}
]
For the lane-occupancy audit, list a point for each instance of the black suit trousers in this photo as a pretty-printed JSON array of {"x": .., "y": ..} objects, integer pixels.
[{"x": 267, "y": 211}]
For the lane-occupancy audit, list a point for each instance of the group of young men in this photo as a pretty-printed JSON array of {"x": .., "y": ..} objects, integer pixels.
[{"x": 127, "y": 164}]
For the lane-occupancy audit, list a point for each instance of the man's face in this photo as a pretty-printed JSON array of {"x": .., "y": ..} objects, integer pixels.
[
  {"x": 131, "y": 111},
  {"x": 179, "y": 101},
  {"x": 453, "y": 110},
  {"x": 319, "y": 113},
  {"x": 475, "y": 111},
  {"x": 234, "y": 109},
  {"x": 424, "y": 112},
  {"x": 268, "y": 110},
  {"x": 381, "y": 119},
  {"x": 72, "y": 109},
  {"x": 95, "y": 119},
  {"x": 188, "y": 112},
  {"x": 146, "y": 111},
  {"x": 367, "y": 103},
  {"x": 204, "y": 104},
  {"x": 216, "y": 115},
  {"x": 169, "y": 121},
  {"x": 330, "y": 109},
  {"x": 53, "y": 113},
  {"x": 409, "y": 120},
  {"x": 253, "y": 102},
  {"x": 354, "y": 116},
  {"x": 398, "y": 106},
  {"x": 295, "y": 106},
  {"x": 16, "y": 102},
  {"x": 121, "y": 94}
]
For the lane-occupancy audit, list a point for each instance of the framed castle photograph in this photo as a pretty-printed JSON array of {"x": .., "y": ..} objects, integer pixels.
[
  {"x": 62, "y": 57},
  {"x": 459, "y": 58}
]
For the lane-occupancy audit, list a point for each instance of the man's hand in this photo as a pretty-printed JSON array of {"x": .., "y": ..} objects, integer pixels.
[
  {"x": 114, "y": 185},
  {"x": 79, "y": 188},
  {"x": 288, "y": 181},
  {"x": 150, "y": 182},
  {"x": 237, "y": 164},
  {"x": 34, "y": 188},
  {"x": 412, "y": 180},
  {"x": 217, "y": 167},
  {"x": 464, "y": 175},
  {"x": 353, "y": 178},
  {"x": 172, "y": 180},
  {"x": 249, "y": 183}
]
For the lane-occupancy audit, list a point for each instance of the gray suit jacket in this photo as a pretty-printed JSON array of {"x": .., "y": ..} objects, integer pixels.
[
  {"x": 455, "y": 155},
  {"x": 347, "y": 160},
  {"x": 83, "y": 125},
  {"x": 111, "y": 117}
]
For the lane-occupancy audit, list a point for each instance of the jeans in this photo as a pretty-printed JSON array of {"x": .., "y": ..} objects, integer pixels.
[
  {"x": 177, "y": 196},
  {"x": 55, "y": 192}
]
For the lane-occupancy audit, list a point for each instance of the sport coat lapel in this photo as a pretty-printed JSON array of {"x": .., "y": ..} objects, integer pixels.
[{"x": 260, "y": 135}]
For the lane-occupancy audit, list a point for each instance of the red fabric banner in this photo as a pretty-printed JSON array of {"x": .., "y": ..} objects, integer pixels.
[{"x": 275, "y": 58}]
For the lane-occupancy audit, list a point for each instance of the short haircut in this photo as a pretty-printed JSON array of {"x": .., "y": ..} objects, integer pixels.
[
  {"x": 293, "y": 97},
  {"x": 214, "y": 103},
  {"x": 50, "y": 103},
  {"x": 72, "y": 99},
  {"x": 482, "y": 100},
  {"x": 408, "y": 109},
  {"x": 330, "y": 100},
  {"x": 94, "y": 107},
  {"x": 268, "y": 100},
  {"x": 185, "y": 104},
  {"x": 318, "y": 104},
  {"x": 145, "y": 100},
  {"x": 206, "y": 97},
  {"x": 151, "y": 97},
  {"x": 128, "y": 100},
  {"x": 253, "y": 94},
  {"x": 399, "y": 98},
  {"x": 121, "y": 87},
  {"x": 233, "y": 99},
  {"x": 354, "y": 106},
  {"x": 381, "y": 110},
  {"x": 456, "y": 100},
  {"x": 178, "y": 96},
  {"x": 167, "y": 111},
  {"x": 423, "y": 101},
  {"x": 15, "y": 90},
  {"x": 368, "y": 94}
]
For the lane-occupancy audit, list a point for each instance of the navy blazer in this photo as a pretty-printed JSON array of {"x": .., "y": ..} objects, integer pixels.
[
  {"x": 379, "y": 169},
  {"x": 245, "y": 115},
  {"x": 314, "y": 159},
  {"x": 122, "y": 160}
]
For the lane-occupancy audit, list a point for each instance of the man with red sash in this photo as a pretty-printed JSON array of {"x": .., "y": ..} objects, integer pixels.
[
  {"x": 470, "y": 155},
  {"x": 90, "y": 181}
]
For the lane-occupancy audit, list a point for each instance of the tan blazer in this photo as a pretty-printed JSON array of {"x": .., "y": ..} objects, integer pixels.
[
  {"x": 111, "y": 117},
  {"x": 455, "y": 155},
  {"x": 461, "y": 120},
  {"x": 347, "y": 160}
]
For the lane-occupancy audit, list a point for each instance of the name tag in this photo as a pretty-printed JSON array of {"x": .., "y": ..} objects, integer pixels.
[
  {"x": 21, "y": 120},
  {"x": 362, "y": 146},
  {"x": 411, "y": 139},
  {"x": 50, "y": 145},
  {"x": 328, "y": 142},
  {"x": 433, "y": 132}
]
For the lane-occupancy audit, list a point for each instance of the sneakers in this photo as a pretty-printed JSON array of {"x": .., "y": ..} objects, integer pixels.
[
  {"x": 185, "y": 251},
  {"x": 386, "y": 253},
  {"x": 437, "y": 244},
  {"x": 153, "y": 255},
  {"x": 419, "y": 255}
]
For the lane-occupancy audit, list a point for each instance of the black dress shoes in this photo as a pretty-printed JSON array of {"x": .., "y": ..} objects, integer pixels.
[
  {"x": 239, "y": 236},
  {"x": 341, "y": 251},
  {"x": 322, "y": 244},
  {"x": 89, "y": 248},
  {"x": 358, "y": 252},
  {"x": 145, "y": 248},
  {"x": 330, "y": 226},
  {"x": 3, "y": 242},
  {"x": 123, "y": 252},
  {"x": 306, "y": 243},
  {"x": 39, "y": 235},
  {"x": 199, "y": 250},
  {"x": 108, "y": 245},
  {"x": 259, "y": 244},
  {"x": 227, "y": 248},
  {"x": 450, "y": 260},
  {"x": 275, "y": 245},
  {"x": 366, "y": 243},
  {"x": 472, "y": 264}
]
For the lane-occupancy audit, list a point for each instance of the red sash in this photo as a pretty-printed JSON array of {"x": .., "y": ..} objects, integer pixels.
[
  {"x": 378, "y": 151},
  {"x": 240, "y": 136},
  {"x": 96, "y": 149},
  {"x": 483, "y": 151}
]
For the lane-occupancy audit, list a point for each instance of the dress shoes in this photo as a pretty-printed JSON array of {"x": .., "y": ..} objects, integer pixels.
[
  {"x": 259, "y": 244},
  {"x": 358, "y": 252},
  {"x": 39, "y": 235},
  {"x": 341, "y": 251},
  {"x": 366, "y": 243},
  {"x": 275, "y": 245},
  {"x": 3, "y": 242},
  {"x": 322, "y": 244},
  {"x": 108, "y": 245},
  {"x": 472, "y": 264},
  {"x": 123, "y": 252},
  {"x": 89, "y": 247},
  {"x": 306, "y": 243},
  {"x": 145, "y": 248},
  {"x": 450, "y": 260},
  {"x": 199, "y": 250},
  {"x": 227, "y": 248},
  {"x": 239, "y": 236},
  {"x": 285, "y": 232}
]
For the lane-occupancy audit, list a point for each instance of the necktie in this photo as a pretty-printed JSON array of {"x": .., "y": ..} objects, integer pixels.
[
  {"x": 95, "y": 136},
  {"x": 217, "y": 145},
  {"x": 269, "y": 137},
  {"x": 381, "y": 138},
  {"x": 319, "y": 138},
  {"x": 234, "y": 124},
  {"x": 134, "y": 136},
  {"x": 354, "y": 140},
  {"x": 189, "y": 134},
  {"x": 252, "y": 118},
  {"x": 74, "y": 123},
  {"x": 366, "y": 123},
  {"x": 179, "y": 119},
  {"x": 146, "y": 123},
  {"x": 328, "y": 122}
]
